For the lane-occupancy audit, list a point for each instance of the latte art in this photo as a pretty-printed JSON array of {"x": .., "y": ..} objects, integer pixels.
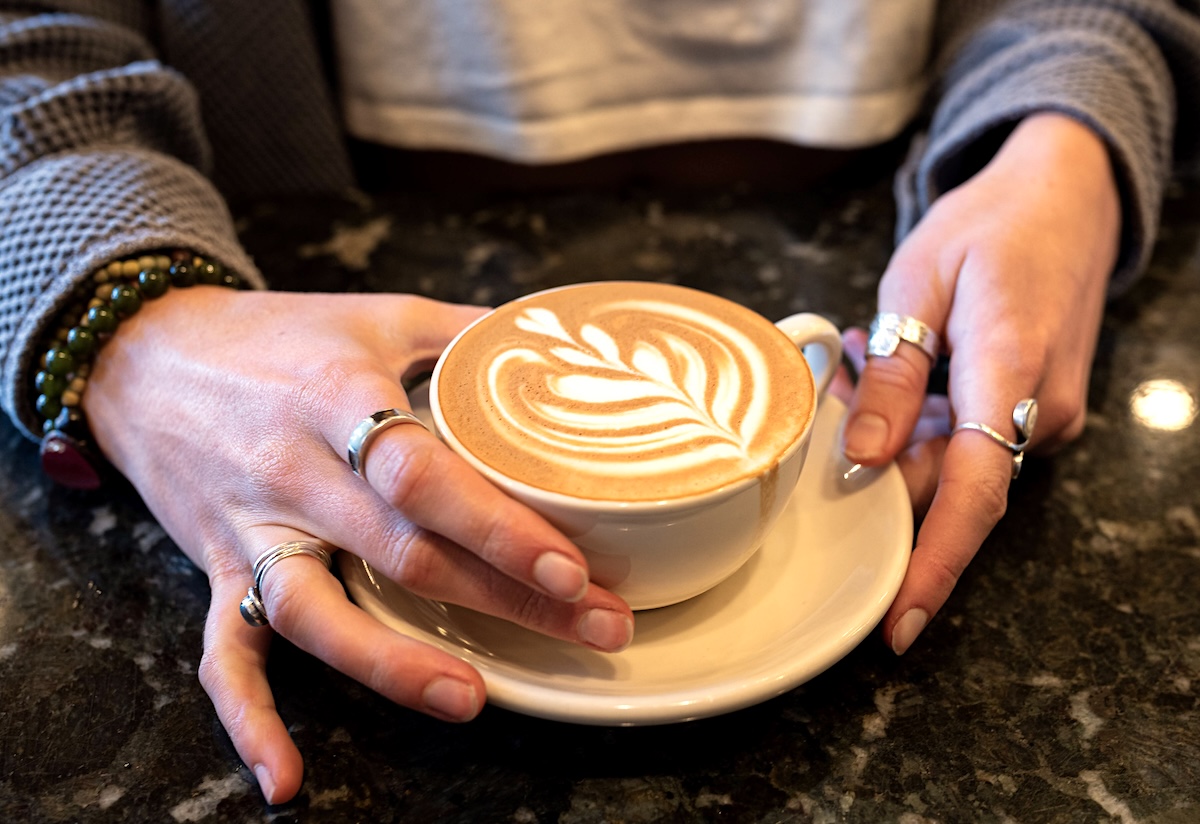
[
  {"x": 626, "y": 391},
  {"x": 677, "y": 399}
]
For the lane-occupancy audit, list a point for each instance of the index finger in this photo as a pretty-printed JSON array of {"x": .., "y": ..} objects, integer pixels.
[
  {"x": 891, "y": 387},
  {"x": 887, "y": 402},
  {"x": 971, "y": 496},
  {"x": 431, "y": 486}
]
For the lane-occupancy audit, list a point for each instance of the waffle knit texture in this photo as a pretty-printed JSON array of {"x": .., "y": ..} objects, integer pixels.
[{"x": 125, "y": 125}]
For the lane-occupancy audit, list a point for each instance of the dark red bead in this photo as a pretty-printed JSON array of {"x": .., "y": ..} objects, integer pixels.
[{"x": 65, "y": 461}]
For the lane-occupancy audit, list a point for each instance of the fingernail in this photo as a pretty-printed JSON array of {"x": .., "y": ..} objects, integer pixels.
[
  {"x": 866, "y": 436},
  {"x": 907, "y": 629},
  {"x": 605, "y": 629},
  {"x": 451, "y": 698},
  {"x": 560, "y": 576},
  {"x": 265, "y": 783}
]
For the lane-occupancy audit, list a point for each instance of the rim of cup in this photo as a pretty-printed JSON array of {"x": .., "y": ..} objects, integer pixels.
[{"x": 576, "y": 502}]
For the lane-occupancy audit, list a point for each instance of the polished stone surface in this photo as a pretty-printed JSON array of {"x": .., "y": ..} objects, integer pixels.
[{"x": 1061, "y": 683}]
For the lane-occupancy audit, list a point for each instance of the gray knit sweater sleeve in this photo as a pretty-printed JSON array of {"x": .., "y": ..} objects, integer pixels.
[
  {"x": 1129, "y": 69},
  {"x": 102, "y": 155},
  {"x": 103, "y": 152}
]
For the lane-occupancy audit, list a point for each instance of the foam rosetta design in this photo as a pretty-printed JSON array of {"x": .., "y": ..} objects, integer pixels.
[{"x": 672, "y": 390}]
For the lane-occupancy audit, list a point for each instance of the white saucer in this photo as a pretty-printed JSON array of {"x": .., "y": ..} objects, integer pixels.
[{"x": 821, "y": 582}]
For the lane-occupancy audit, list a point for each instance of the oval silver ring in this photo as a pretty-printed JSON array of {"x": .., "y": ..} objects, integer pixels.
[{"x": 369, "y": 429}]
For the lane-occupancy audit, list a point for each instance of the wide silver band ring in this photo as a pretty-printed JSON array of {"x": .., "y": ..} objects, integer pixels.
[
  {"x": 370, "y": 429},
  {"x": 888, "y": 329},
  {"x": 251, "y": 607},
  {"x": 1024, "y": 419}
]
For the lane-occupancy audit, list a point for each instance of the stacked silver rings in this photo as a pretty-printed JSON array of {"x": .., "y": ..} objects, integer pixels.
[{"x": 252, "y": 605}]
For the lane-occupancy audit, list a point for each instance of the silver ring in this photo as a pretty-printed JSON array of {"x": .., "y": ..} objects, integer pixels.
[
  {"x": 1024, "y": 419},
  {"x": 369, "y": 430},
  {"x": 251, "y": 607},
  {"x": 889, "y": 328}
]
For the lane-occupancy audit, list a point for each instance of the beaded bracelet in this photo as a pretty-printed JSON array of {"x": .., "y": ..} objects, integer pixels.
[{"x": 114, "y": 293}]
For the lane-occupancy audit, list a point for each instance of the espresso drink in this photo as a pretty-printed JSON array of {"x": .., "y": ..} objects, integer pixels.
[{"x": 626, "y": 391}]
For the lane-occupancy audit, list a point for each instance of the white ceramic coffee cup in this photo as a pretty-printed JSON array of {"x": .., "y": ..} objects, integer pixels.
[{"x": 656, "y": 553}]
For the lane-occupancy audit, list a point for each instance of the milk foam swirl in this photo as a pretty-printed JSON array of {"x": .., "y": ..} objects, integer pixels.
[{"x": 676, "y": 393}]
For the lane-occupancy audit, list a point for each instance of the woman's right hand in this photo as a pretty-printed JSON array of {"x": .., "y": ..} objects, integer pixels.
[{"x": 230, "y": 412}]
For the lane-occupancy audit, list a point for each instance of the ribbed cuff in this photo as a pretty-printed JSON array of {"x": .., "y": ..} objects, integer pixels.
[
  {"x": 64, "y": 216},
  {"x": 1122, "y": 93}
]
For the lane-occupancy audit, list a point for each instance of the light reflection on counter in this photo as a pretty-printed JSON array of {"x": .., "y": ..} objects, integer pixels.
[{"x": 1163, "y": 404}]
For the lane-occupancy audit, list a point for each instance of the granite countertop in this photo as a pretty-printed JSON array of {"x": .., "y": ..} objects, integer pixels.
[{"x": 1061, "y": 682}]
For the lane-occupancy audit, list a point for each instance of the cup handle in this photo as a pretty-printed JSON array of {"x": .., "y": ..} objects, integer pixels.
[{"x": 820, "y": 342}]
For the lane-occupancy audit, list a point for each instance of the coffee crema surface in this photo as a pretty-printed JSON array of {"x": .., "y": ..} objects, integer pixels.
[{"x": 626, "y": 391}]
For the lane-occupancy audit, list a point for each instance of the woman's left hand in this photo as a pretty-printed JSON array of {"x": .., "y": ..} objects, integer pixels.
[{"x": 1011, "y": 270}]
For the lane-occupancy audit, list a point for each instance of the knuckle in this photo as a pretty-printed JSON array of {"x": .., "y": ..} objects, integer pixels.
[
  {"x": 403, "y": 467},
  {"x": 283, "y": 598},
  {"x": 495, "y": 538},
  {"x": 1029, "y": 362},
  {"x": 1073, "y": 428},
  {"x": 987, "y": 496},
  {"x": 408, "y": 559},
  {"x": 1066, "y": 424},
  {"x": 283, "y": 445},
  {"x": 226, "y": 566},
  {"x": 1062, "y": 417},
  {"x": 210, "y": 673},
  {"x": 1016, "y": 351},
  {"x": 942, "y": 572},
  {"x": 213, "y": 677},
  {"x": 1026, "y": 368},
  {"x": 321, "y": 387},
  {"x": 272, "y": 471},
  {"x": 1026, "y": 347},
  {"x": 897, "y": 374},
  {"x": 528, "y": 608},
  {"x": 383, "y": 675}
]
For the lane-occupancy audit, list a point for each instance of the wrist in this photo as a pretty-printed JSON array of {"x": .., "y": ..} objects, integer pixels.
[
  {"x": 1056, "y": 146},
  {"x": 1068, "y": 165},
  {"x": 112, "y": 294}
]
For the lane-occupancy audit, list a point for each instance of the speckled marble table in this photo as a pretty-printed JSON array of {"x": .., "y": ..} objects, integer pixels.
[{"x": 1061, "y": 683}]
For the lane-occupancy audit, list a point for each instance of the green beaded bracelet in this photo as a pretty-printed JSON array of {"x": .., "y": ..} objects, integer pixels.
[{"x": 114, "y": 293}]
